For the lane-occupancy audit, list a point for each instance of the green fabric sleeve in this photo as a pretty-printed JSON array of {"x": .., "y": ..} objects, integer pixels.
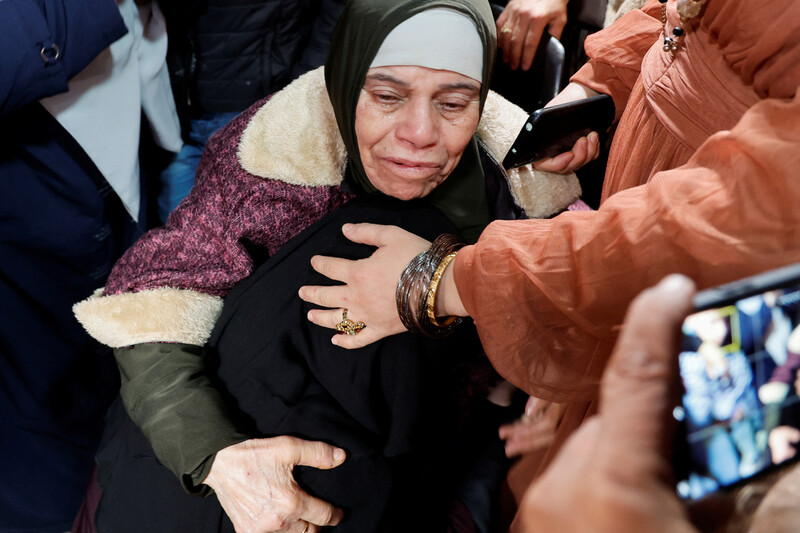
[{"x": 168, "y": 394}]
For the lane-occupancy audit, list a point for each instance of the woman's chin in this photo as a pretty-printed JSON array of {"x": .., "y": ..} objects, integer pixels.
[
  {"x": 410, "y": 192},
  {"x": 403, "y": 188}
]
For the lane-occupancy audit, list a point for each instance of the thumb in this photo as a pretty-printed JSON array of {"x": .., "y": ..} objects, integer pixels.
[
  {"x": 318, "y": 454},
  {"x": 638, "y": 384}
]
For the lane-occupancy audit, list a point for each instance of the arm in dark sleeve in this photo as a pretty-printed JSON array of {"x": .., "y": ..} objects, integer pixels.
[
  {"x": 317, "y": 49},
  {"x": 169, "y": 395},
  {"x": 43, "y": 44}
]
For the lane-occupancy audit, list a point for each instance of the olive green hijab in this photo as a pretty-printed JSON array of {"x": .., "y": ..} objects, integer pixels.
[{"x": 358, "y": 36}]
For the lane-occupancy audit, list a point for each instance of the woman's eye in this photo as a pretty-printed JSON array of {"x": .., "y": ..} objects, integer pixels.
[
  {"x": 453, "y": 106},
  {"x": 386, "y": 98}
]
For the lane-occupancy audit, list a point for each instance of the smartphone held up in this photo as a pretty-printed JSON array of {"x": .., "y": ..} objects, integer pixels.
[
  {"x": 553, "y": 130},
  {"x": 739, "y": 414}
]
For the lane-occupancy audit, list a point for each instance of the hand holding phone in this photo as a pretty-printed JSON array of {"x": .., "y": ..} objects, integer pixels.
[
  {"x": 609, "y": 476},
  {"x": 584, "y": 151},
  {"x": 559, "y": 129},
  {"x": 736, "y": 353}
]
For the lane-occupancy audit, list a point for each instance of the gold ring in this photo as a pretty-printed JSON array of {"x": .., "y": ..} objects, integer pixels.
[
  {"x": 305, "y": 529},
  {"x": 349, "y": 327},
  {"x": 506, "y": 29}
]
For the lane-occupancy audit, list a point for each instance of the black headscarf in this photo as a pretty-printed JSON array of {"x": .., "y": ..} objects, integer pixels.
[{"x": 358, "y": 36}]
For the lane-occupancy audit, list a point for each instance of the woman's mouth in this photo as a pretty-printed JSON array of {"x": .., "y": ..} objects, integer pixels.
[{"x": 409, "y": 166}]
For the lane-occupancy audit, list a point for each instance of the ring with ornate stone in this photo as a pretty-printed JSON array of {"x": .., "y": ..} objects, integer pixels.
[
  {"x": 506, "y": 29},
  {"x": 349, "y": 327}
]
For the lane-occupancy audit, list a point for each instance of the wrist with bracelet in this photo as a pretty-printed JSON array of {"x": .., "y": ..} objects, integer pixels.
[{"x": 418, "y": 285}]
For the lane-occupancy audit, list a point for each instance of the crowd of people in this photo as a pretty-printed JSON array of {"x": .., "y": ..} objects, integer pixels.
[{"x": 349, "y": 315}]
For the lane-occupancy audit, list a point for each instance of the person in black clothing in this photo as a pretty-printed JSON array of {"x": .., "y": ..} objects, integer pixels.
[
  {"x": 224, "y": 56},
  {"x": 410, "y": 412}
]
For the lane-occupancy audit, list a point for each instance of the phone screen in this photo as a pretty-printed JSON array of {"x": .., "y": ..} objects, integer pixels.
[{"x": 740, "y": 412}]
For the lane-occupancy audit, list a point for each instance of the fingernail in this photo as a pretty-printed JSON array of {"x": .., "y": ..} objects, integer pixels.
[
  {"x": 338, "y": 455},
  {"x": 335, "y": 341},
  {"x": 675, "y": 283},
  {"x": 346, "y": 228},
  {"x": 593, "y": 136}
]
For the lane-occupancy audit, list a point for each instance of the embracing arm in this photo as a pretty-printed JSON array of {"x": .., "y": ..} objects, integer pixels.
[
  {"x": 195, "y": 434},
  {"x": 46, "y": 43},
  {"x": 163, "y": 299},
  {"x": 549, "y": 295},
  {"x": 168, "y": 394}
]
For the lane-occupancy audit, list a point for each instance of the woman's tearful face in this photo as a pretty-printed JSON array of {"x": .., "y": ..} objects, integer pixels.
[{"x": 412, "y": 125}]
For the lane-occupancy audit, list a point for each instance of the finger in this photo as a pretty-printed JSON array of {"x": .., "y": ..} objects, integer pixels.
[
  {"x": 334, "y": 297},
  {"x": 507, "y": 431},
  {"x": 518, "y": 37},
  {"x": 318, "y": 512},
  {"x": 335, "y": 268},
  {"x": 327, "y": 318},
  {"x": 638, "y": 383},
  {"x": 556, "y": 26},
  {"x": 504, "y": 37},
  {"x": 312, "y": 528},
  {"x": 301, "y": 526},
  {"x": 559, "y": 163},
  {"x": 534, "y": 406},
  {"x": 363, "y": 338},
  {"x": 521, "y": 429},
  {"x": 528, "y": 441},
  {"x": 537, "y": 442},
  {"x": 586, "y": 150},
  {"x": 502, "y": 20},
  {"x": 593, "y": 146},
  {"x": 374, "y": 234},
  {"x": 580, "y": 152},
  {"x": 315, "y": 454},
  {"x": 530, "y": 45}
]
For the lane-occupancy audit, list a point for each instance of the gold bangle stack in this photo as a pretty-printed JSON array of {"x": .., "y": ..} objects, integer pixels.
[
  {"x": 417, "y": 287},
  {"x": 431, "y": 299}
]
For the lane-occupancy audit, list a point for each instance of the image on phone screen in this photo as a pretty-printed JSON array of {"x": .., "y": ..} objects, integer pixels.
[{"x": 740, "y": 411}]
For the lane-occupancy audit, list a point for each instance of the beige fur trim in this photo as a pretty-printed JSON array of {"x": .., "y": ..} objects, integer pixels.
[
  {"x": 157, "y": 315},
  {"x": 294, "y": 138},
  {"x": 540, "y": 194}
]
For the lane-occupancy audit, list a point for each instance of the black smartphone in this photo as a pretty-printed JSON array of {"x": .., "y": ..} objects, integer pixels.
[
  {"x": 739, "y": 414},
  {"x": 553, "y": 130}
]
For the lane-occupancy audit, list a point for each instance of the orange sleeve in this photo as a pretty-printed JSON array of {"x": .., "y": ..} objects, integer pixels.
[
  {"x": 548, "y": 296},
  {"x": 616, "y": 53}
]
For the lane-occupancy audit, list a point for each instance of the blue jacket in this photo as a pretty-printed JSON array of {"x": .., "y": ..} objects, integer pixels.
[{"x": 61, "y": 229}]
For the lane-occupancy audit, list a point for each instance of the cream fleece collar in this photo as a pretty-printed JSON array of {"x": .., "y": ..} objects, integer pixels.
[{"x": 294, "y": 138}]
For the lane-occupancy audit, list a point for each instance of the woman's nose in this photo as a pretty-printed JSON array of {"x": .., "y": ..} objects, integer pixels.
[{"x": 417, "y": 124}]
